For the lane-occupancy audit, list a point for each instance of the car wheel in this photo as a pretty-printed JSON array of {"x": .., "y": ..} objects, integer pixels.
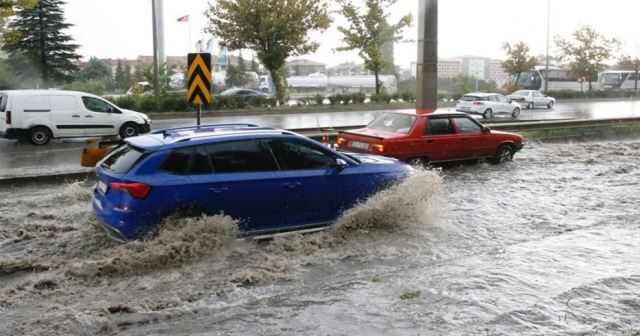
[
  {"x": 39, "y": 136},
  {"x": 129, "y": 129},
  {"x": 516, "y": 112},
  {"x": 417, "y": 162},
  {"x": 487, "y": 114},
  {"x": 530, "y": 105},
  {"x": 550, "y": 105},
  {"x": 503, "y": 154}
]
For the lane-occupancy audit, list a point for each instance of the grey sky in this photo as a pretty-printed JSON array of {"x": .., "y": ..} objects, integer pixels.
[{"x": 122, "y": 28}]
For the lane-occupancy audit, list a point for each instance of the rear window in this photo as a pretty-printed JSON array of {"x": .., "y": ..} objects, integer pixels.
[
  {"x": 122, "y": 159},
  {"x": 3, "y": 103},
  {"x": 473, "y": 98},
  {"x": 521, "y": 93},
  {"x": 393, "y": 122}
]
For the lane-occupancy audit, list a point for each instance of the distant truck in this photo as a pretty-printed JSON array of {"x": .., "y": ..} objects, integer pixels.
[{"x": 314, "y": 83}]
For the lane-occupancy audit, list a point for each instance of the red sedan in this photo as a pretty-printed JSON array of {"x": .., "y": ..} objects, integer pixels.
[{"x": 435, "y": 137}]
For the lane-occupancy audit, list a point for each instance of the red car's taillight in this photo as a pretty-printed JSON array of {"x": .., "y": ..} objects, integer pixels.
[
  {"x": 136, "y": 190},
  {"x": 8, "y": 117},
  {"x": 378, "y": 148},
  {"x": 342, "y": 141}
]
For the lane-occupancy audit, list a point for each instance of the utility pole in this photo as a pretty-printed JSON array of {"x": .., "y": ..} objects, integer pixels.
[
  {"x": 635, "y": 85},
  {"x": 156, "y": 72},
  {"x": 427, "y": 62},
  {"x": 546, "y": 68}
]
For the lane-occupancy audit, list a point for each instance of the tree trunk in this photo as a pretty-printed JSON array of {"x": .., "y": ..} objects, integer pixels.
[
  {"x": 517, "y": 80},
  {"x": 279, "y": 81},
  {"x": 43, "y": 54},
  {"x": 635, "y": 85},
  {"x": 375, "y": 73}
]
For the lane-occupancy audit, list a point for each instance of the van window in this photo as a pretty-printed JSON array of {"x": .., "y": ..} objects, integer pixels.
[
  {"x": 122, "y": 159},
  {"x": 3, "y": 102},
  {"x": 96, "y": 105},
  {"x": 37, "y": 104},
  {"x": 63, "y": 103}
]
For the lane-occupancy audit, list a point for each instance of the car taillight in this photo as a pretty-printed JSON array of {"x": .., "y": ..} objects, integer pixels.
[
  {"x": 522, "y": 100},
  {"x": 478, "y": 103},
  {"x": 342, "y": 141},
  {"x": 8, "y": 117},
  {"x": 378, "y": 148},
  {"x": 136, "y": 190}
]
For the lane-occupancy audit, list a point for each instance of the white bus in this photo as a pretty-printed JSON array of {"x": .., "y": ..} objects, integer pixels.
[
  {"x": 617, "y": 80},
  {"x": 558, "y": 79}
]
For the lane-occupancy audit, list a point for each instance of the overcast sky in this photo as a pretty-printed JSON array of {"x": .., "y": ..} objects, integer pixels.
[{"x": 123, "y": 29}]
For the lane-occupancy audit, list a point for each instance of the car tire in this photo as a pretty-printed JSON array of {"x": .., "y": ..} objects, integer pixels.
[
  {"x": 503, "y": 154},
  {"x": 516, "y": 112},
  {"x": 40, "y": 136},
  {"x": 418, "y": 162},
  {"x": 129, "y": 129},
  {"x": 530, "y": 105},
  {"x": 488, "y": 113},
  {"x": 550, "y": 105},
  {"x": 265, "y": 90}
]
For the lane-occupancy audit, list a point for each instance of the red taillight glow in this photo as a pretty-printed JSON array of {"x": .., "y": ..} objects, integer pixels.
[
  {"x": 342, "y": 141},
  {"x": 478, "y": 103},
  {"x": 522, "y": 100},
  {"x": 136, "y": 190},
  {"x": 458, "y": 102},
  {"x": 8, "y": 117},
  {"x": 378, "y": 148}
]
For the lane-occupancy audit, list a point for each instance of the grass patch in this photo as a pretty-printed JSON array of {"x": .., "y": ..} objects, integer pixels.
[
  {"x": 408, "y": 295},
  {"x": 583, "y": 131},
  {"x": 376, "y": 279}
]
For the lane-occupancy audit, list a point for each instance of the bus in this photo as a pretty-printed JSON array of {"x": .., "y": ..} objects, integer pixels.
[
  {"x": 558, "y": 79},
  {"x": 617, "y": 80}
]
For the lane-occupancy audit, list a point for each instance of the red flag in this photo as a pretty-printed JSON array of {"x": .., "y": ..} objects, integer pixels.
[{"x": 184, "y": 19}]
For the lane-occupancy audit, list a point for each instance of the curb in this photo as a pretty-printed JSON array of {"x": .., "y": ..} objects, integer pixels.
[{"x": 13, "y": 181}]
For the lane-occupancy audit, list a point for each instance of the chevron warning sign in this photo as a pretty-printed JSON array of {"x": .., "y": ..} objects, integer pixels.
[{"x": 199, "y": 77}]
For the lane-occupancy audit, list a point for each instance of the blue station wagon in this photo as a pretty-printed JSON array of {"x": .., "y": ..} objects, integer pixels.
[{"x": 270, "y": 180}]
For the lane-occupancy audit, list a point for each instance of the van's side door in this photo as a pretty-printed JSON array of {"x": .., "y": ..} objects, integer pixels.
[
  {"x": 100, "y": 117},
  {"x": 66, "y": 116}
]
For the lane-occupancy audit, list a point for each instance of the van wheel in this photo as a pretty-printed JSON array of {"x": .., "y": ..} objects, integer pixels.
[
  {"x": 39, "y": 136},
  {"x": 129, "y": 130}
]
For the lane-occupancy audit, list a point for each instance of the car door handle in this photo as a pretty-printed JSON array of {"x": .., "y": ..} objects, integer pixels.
[
  {"x": 217, "y": 190},
  {"x": 76, "y": 116},
  {"x": 431, "y": 141},
  {"x": 464, "y": 139},
  {"x": 292, "y": 185},
  {"x": 89, "y": 116}
]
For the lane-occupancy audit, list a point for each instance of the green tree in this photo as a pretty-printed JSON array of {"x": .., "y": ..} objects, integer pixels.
[
  {"x": 128, "y": 77},
  {"x": 588, "y": 53},
  {"x": 95, "y": 69},
  {"x": 274, "y": 29},
  {"x": 462, "y": 85},
  {"x": 625, "y": 63},
  {"x": 120, "y": 77},
  {"x": 8, "y": 8},
  {"x": 145, "y": 74},
  {"x": 7, "y": 76},
  {"x": 40, "y": 41},
  {"x": 370, "y": 31},
  {"x": 518, "y": 59},
  {"x": 243, "y": 78}
]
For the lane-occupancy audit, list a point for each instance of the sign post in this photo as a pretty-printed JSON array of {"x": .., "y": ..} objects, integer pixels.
[
  {"x": 199, "y": 80},
  {"x": 581, "y": 81}
]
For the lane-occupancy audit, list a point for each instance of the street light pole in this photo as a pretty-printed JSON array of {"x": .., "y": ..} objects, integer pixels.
[
  {"x": 635, "y": 85},
  {"x": 546, "y": 68},
  {"x": 427, "y": 62},
  {"x": 156, "y": 71}
]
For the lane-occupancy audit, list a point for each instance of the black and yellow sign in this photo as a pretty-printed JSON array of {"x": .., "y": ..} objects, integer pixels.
[{"x": 199, "y": 77}]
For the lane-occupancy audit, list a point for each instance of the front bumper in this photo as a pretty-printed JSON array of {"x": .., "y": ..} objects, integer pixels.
[
  {"x": 145, "y": 128},
  {"x": 518, "y": 147}
]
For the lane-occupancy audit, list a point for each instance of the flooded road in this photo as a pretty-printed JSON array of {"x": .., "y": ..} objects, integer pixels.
[{"x": 544, "y": 245}]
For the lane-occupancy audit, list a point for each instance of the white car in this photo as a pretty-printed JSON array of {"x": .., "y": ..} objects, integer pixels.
[
  {"x": 532, "y": 98},
  {"x": 487, "y": 104},
  {"x": 41, "y": 115}
]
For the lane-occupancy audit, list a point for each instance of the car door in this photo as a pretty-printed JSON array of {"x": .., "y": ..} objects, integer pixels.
[
  {"x": 66, "y": 117},
  {"x": 237, "y": 178},
  {"x": 537, "y": 99},
  {"x": 313, "y": 189},
  {"x": 100, "y": 118},
  {"x": 474, "y": 141},
  {"x": 504, "y": 104},
  {"x": 439, "y": 141},
  {"x": 494, "y": 103}
]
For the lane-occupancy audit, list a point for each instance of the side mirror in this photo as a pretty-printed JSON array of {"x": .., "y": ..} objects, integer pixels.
[
  {"x": 341, "y": 164},
  {"x": 486, "y": 129}
]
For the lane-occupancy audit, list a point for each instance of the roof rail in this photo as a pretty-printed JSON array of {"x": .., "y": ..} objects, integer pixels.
[
  {"x": 265, "y": 130},
  {"x": 210, "y": 127}
]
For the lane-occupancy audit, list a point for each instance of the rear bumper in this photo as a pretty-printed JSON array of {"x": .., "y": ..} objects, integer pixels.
[{"x": 13, "y": 133}]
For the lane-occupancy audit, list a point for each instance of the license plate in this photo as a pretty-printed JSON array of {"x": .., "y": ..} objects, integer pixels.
[
  {"x": 358, "y": 144},
  {"x": 102, "y": 187},
  {"x": 464, "y": 108}
]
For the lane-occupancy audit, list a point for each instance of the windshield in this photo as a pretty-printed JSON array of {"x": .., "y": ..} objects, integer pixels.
[
  {"x": 614, "y": 78},
  {"x": 393, "y": 122}
]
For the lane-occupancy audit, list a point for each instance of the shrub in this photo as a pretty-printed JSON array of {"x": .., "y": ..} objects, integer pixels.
[
  {"x": 319, "y": 99},
  {"x": 257, "y": 101},
  {"x": 396, "y": 96},
  {"x": 383, "y": 97},
  {"x": 333, "y": 99},
  {"x": 358, "y": 98},
  {"x": 408, "y": 96},
  {"x": 148, "y": 104},
  {"x": 126, "y": 102}
]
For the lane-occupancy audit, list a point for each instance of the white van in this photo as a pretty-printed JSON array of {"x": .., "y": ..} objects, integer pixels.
[{"x": 41, "y": 115}]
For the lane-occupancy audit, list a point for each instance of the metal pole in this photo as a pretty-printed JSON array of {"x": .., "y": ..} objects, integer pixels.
[
  {"x": 156, "y": 74},
  {"x": 199, "y": 113},
  {"x": 427, "y": 62},
  {"x": 162, "y": 57},
  {"x": 546, "y": 68}
]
